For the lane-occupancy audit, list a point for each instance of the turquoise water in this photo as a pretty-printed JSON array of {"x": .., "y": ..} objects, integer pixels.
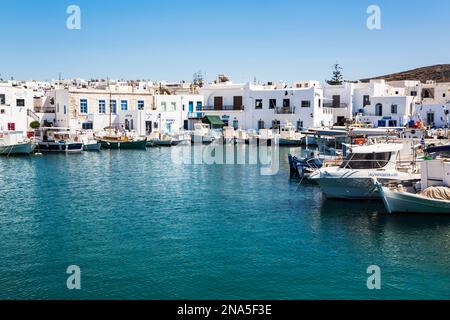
[{"x": 141, "y": 227}]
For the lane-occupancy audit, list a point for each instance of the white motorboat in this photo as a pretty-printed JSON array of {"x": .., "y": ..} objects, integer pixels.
[
  {"x": 353, "y": 179},
  {"x": 229, "y": 135},
  {"x": 289, "y": 136},
  {"x": 431, "y": 195},
  {"x": 15, "y": 143},
  {"x": 202, "y": 134}
]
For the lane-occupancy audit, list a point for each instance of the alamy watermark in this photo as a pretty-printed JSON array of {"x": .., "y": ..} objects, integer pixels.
[
  {"x": 73, "y": 21},
  {"x": 374, "y": 19},
  {"x": 374, "y": 280},
  {"x": 266, "y": 154},
  {"x": 74, "y": 280}
]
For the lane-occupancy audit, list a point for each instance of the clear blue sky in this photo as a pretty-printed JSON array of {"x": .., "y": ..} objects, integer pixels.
[{"x": 270, "y": 40}]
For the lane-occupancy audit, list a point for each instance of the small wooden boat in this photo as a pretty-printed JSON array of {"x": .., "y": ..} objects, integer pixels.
[{"x": 122, "y": 143}]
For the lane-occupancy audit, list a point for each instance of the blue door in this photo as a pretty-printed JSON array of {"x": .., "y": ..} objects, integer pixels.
[{"x": 191, "y": 106}]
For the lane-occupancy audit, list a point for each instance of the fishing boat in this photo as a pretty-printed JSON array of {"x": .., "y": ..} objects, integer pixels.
[
  {"x": 89, "y": 141},
  {"x": 201, "y": 134},
  {"x": 241, "y": 137},
  {"x": 115, "y": 139},
  {"x": 58, "y": 140},
  {"x": 430, "y": 196},
  {"x": 353, "y": 179},
  {"x": 289, "y": 136},
  {"x": 229, "y": 135},
  {"x": 158, "y": 139},
  {"x": 14, "y": 143}
]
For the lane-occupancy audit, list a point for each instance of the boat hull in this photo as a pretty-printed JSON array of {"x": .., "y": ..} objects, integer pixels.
[
  {"x": 159, "y": 143},
  {"x": 92, "y": 147},
  {"x": 54, "y": 147},
  {"x": 290, "y": 142},
  {"x": 404, "y": 202},
  {"x": 116, "y": 145},
  {"x": 18, "y": 149},
  {"x": 351, "y": 189}
]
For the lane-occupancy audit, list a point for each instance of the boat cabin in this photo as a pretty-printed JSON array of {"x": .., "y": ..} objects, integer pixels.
[{"x": 377, "y": 156}]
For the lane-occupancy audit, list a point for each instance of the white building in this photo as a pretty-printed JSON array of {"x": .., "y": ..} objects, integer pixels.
[
  {"x": 122, "y": 106},
  {"x": 16, "y": 106},
  {"x": 253, "y": 106}
]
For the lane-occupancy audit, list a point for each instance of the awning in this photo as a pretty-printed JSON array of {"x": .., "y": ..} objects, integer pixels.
[{"x": 214, "y": 121}]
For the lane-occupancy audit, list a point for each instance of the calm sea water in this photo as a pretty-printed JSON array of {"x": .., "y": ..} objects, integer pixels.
[{"x": 141, "y": 227}]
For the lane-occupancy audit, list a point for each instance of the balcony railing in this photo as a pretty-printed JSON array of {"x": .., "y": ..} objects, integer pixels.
[
  {"x": 45, "y": 109},
  {"x": 285, "y": 110},
  {"x": 334, "y": 105},
  {"x": 223, "y": 108}
]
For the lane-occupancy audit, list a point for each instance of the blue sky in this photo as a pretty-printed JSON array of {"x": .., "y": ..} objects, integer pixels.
[{"x": 270, "y": 40}]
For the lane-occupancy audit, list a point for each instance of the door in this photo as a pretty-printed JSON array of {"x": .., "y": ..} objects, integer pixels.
[
  {"x": 336, "y": 101},
  {"x": 237, "y": 102},
  {"x": 218, "y": 103},
  {"x": 148, "y": 127},
  {"x": 430, "y": 119},
  {"x": 191, "y": 106}
]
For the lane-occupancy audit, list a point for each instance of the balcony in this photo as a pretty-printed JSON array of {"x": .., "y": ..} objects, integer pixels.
[
  {"x": 223, "y": 108},
  {"x": 44, "y": 109},
  {"x": 285, "y": 110},
  {"x": 335, "y": 105}
]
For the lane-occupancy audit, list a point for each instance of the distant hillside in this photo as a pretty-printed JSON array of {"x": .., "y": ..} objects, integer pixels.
[{"x": 438, "y": 73}]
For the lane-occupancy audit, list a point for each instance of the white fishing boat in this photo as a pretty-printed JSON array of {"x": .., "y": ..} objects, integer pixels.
[
  {"x": 15, "y": 143},
  {"x": 229, "y": 135},
  {"x": 431, "y": 195},
  {"x": 289, "y": 136},
  {"x": 353, "y": 179},
  {"x": 242, "y": 136},
  {"x": 159, "y": 139},
  {"x": 202, "y": 134},
  {"x": 88, "y": 140}
]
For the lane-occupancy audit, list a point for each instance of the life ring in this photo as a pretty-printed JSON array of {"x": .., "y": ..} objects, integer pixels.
[{"x": 360, "y": 141}]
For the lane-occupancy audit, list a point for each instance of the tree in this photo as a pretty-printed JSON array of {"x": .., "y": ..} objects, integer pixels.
[
  {"x": 198, "y": 79},
  {"x": 35, "y": 125},
  {"x": 337, "y": 77}
]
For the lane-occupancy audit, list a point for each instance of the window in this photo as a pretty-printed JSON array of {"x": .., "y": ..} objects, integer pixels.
[
  {"x": 87, "y": 126},
  {"x": 141, "y": 104},
  {"x": 65, "y": 109},
  {"x": 286, "y": 103},
  {"x": 124, "y": 105},
  {"x": 394, "y": 109},
  {"x": 83, "y": 106},
  {"x": 237, "y": 102},
  {"x": 155, "y": 125},
  {"x": 367, "y": 160},
  {"x": 443, "y": 95},
  {"x": 379, "y": 110},
  {"x": 258, "y": 104},
  {"x": 414, "y": 93},
  {"x": 199, "y": 106},
  {"x": 163, "y": 106},
  {"x": 276, "y": 124},
  {"x": 11, "y": 126},
  {"x": 272, "y": 103},
  {"x": 113, "y": 106},
  {"x": 173, "y": 106},
  {"x": 366, "y": 101},
  {"x": 101, "y": 106},
  {"x": 20, "y": 102},
  {"x": 2, "y": 99},
  {"x": 306, "y": 104}
]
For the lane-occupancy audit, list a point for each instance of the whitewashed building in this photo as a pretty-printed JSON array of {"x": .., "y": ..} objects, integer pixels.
[
  {"x": 142, "y": 110},
  {"x": 252, "y": 106},
  {"x": 16, "y": 106}
]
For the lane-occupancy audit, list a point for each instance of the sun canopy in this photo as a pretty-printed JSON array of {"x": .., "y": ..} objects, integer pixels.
[{"x": 214, "y": 121}]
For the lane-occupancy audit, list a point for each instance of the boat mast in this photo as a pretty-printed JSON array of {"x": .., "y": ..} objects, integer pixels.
[{"x": 110, "y": 106}]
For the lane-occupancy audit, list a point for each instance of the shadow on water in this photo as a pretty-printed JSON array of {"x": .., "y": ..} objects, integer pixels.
[{"x": 374, "y": 212}]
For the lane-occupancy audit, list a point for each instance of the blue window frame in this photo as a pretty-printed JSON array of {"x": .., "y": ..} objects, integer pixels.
[
  {"x": 113, "y": 106},
  {"x": 83, "y": 106},
  {"x": 101, "y": 106},
  {"x": 191, "y": 106},
  {"x": 141, "y": 104},
  {"x": 124, "y": 105}
]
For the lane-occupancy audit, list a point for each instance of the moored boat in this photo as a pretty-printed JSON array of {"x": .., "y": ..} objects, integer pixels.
[
  {"x": 14, "y": 143},
  {"x": 353, "y": 179},
  {"x": 430, "y": 196},
  {"x": 58, "y": 140}
]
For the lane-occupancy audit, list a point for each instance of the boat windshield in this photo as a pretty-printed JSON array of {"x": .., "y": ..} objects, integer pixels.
[{"x": 366, "y": 160}]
